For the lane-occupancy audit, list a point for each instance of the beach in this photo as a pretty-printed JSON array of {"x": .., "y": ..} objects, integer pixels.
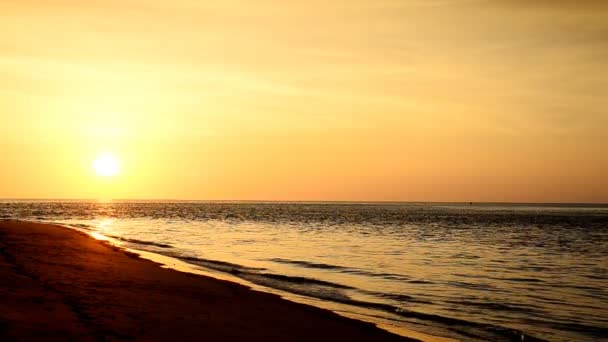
[
  {"x": 57, "y": 284},
  {"x": 431, "y": 272}
]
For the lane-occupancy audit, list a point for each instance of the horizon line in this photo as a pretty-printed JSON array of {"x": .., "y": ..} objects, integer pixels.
[{"x": 303, "y": 201}]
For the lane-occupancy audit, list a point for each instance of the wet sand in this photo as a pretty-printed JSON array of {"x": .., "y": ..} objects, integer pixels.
[{"x": 58, "y": 284}]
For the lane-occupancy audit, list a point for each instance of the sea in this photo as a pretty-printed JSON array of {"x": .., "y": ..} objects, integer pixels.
[{"x": 462, "y": 271}]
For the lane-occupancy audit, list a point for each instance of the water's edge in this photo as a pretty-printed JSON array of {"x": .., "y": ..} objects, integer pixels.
[
  {"x": 179, "y": 265},
  {"x": 446, "y": 329}
]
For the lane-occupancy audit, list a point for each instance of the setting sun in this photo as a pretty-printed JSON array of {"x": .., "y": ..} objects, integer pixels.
[{"x": 106, "y": 165}]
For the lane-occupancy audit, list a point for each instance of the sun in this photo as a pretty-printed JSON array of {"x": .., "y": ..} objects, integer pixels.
[{"x": 106, "y": 165}]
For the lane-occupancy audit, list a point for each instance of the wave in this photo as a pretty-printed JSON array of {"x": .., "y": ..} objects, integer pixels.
[
  {"x": 124, "y": 239},
  {"x": 338, "y": 293},
  {"x": 419, "y": 281},
  {"x": 473, "y": 286},
  {"x": 82, "y": 226},
  {"x": 397, "y": 297},
  {"x": 511, "y": 279},
  {"x": 595, "y": 331},
  {"x": 343, "y": 269},
  {"x": 141, "y": 242},
  {"x": 331, "y": 291},
  {"x": 494, "y": 306},
  {"x": 524, "y": 280},
  {"x": 302, "y": 280},
  {"x": 217, "y": 265}
]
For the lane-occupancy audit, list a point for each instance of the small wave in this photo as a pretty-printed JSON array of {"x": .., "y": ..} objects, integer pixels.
[
  {"x": 493, "y": 306},
  {"x": 257, "y": 274},
  {"x": 418, "y": 281},
  {"x": 217, "y": 265},
  {"x": 343, "y": 269},
  {"x": 141, "y": 242},
  {"x": 293, "y": 284},
  {"x": 588, "y": 330},
  {"x": 481, "y": 287},
  {"x": 515, "y": 279},
  {"x": 299, "y": 285},
  {"x": 525, "y": 280},
  {"x": 465, "y": 256},
  {"x": 402, "y": 298},
  {"x": 303, "y": 280},
  {"x": 591, "y": 276},
  {"x": 473, "y": 329},
  {"x": 82, "y": 226},
  {"x": 309, "y": 264},
  {"x": 576, "y": 287},
  {"x": 120, "y": 238},
  {"x": 398, "y": 297},
  {"x": 482, "y": 331}
]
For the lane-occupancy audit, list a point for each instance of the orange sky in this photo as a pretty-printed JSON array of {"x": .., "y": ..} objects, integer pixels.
[{"x": 421, "y": 100}]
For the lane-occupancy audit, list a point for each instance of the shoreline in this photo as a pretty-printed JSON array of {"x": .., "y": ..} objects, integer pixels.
[
  {"x": 58, "y": 282},
  {"x": 177, "y": 264}
]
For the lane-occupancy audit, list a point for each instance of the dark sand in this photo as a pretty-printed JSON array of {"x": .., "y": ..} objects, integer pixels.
[{"x": 60, "y": 284}]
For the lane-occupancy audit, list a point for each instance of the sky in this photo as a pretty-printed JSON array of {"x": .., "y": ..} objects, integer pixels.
[{"x": 347, "y": 100}]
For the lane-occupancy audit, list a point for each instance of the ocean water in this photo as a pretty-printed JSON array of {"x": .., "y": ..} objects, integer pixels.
[{"x": 472, "y": 272}]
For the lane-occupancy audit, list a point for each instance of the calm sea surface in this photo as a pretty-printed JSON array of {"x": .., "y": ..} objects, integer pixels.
[{"x": 474, "y": 272}]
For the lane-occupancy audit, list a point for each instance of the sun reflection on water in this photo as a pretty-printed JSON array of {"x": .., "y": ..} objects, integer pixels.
[
  {"x": 99, "y": 236},
  {"x": 106, "y": 224}
]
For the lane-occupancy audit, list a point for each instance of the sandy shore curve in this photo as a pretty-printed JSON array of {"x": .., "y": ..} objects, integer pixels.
[{"x": 59, "y": 284}]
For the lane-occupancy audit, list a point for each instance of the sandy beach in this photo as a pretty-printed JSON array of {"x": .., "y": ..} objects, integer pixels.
[{"x": 59, "y": 284}]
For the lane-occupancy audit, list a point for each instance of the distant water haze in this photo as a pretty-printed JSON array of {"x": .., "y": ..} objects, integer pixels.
[{"x": 483, "y": 271}]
